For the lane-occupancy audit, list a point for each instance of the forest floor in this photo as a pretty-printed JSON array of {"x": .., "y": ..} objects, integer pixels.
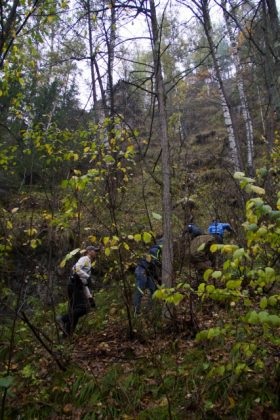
[{"x": 160, "y": 371}]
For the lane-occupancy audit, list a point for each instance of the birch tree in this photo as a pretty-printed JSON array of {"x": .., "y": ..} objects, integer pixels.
[
  {"x": 271, "y": 33},
  {"x": 260, "y": 28},
  {"x": 240, "y": 85},
  {"x": 200, "y": 9}
]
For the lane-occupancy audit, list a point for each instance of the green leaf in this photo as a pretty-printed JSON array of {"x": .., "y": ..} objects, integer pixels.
[
  {"x": 202, "y": 335},
  {"x": 262, "y": 231},
  {"x": 156, "y": 216},
  {"x": 6, "y": 381},
  {"x": 201, "y": 288},
  {"x": 259, "y": 364},
  {"x": 233, "y": 284},
  {"x": 263, "y": 303},
  {"x": 239, "y": 253},
  {"x": 269, "y": 273},
  {"x": 216, "y": 274},
  {"x": 264, "y": 317},
  {"x": 214, "y": 332},
  {"x": 241, "y": 367},
  {"x": 109, "y": 159},
  {"x": 274, "y": 320},
  {"x": 207, "y": 274},
  {"x": 272, "y": 300},
  {"x": 177, "y": 297},
  {"x": 252, "y": 317},
  {"x": 210, "y": 288},
  {"x": 68, "y": 257},
  {"x": 252, "y": 227}
]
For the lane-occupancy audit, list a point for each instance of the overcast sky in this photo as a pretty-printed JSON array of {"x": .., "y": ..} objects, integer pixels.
[{"x": 136, "y": 27}]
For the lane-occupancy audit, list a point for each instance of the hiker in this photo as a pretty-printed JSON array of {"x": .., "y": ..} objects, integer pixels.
[
  {"x": 193, "y": 230},
  {"x": 217, "y": 229},
  {"x": 80, "y": 298},
  {"x": 147, "y": 275},
  {"x": 200, "y": 255}
]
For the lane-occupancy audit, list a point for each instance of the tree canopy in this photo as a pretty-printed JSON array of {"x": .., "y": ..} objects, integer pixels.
[{"x": 121, "y": 123}]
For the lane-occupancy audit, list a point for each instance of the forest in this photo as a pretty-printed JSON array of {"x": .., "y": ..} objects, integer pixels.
[{"x": 122, "y": 122}]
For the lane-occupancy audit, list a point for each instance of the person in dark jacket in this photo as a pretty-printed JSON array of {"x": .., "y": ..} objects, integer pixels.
[
  {"x": 147, "y": 276},
  {"x": 79, "y": 297},
  {"x": 193, "y": 230}
]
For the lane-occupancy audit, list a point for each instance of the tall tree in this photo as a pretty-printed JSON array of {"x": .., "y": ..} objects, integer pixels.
[
  {"x": 200, "y": 8},
  {"x": 240, "y": 85},
  {"x": 167, "y": 257},
  {"x": 12, "y": 23},
  {"x": 259, "y": 27}
]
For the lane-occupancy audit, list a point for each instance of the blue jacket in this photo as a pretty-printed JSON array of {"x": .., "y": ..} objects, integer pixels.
[
  {"x": 218, "y": 228},
  {"x": 156, "y": 251},
  {"x": 152, "y": 267}
]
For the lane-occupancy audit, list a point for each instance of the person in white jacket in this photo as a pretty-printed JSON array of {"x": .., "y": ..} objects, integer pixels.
[
  {"x": 82, "y": 268},
  {"x": 79, "y": 296}
]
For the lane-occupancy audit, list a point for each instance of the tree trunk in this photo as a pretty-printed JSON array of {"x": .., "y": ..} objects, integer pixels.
[
  {"x": 224, "y": 98},
  {"x": 91, "y": 54},
  {"x": 240, "y": 85},
  {"x": 272, "y": 63},
  {"x": 111, "y": 41},
  {"x": 167, "y": 256}
]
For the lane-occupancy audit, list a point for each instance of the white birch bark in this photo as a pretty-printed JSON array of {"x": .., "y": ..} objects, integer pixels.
[
  {"x": 230, "y": 132},
  {"x": 240, "y": 85},
  {"x": 234, "y": 153}
]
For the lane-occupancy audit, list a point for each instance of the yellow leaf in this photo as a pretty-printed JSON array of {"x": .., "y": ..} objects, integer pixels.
[
  {"x": 14, "y": 210},
  {"x": 231, "y": 402},
  {"x": 228, "y": 248},
  {"x": 9, "y": 225},
  {"x": 257, "y": 190},
  {"x": 31, "y": 231},
  {"x": 107, "y": 252},
  {"x": 137, "y": 237},
  {"x": 214, "y": 247},
  {"x": 147, "y": 237},
  {"x": 50, "y": 18},
  {"x": 33, "y": 243},
  {"x": 106, "y": 239},
  {"x": 49, "y": 149}
]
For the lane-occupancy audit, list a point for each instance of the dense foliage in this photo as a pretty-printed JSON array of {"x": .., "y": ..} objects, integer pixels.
[{"x": 163, "y": 127}]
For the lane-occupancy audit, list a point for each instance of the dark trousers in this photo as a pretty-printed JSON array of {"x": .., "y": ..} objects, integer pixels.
[
  {"x": 142, "y": 282},
  {"x": 71, "y": 319},
  {"x": 77, "y": 308}
]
